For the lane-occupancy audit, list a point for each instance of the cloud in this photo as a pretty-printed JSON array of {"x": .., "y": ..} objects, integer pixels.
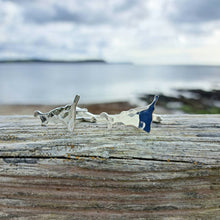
[
  {"x": 196, "y": 11},
  {"x": 63, "y": 14},
  {"x": 152, "y": 31},
  {"x": 94, "y": 12}
]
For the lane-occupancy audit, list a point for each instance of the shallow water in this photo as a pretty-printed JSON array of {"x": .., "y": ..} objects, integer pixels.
[{"x": 52, "y": 83}]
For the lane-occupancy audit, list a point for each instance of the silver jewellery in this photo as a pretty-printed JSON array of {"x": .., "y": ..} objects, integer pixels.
[{"x": 140, "y": 117}]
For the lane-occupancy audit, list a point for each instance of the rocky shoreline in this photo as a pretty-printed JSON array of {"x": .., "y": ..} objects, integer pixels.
[{"x": 195, "y": 101}]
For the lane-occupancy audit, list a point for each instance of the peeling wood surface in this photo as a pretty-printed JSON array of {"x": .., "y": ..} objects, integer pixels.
[{"x": 95, "y": 173}]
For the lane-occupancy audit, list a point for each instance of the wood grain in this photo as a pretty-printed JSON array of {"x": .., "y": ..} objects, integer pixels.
[{"x": 122, "y": 173}]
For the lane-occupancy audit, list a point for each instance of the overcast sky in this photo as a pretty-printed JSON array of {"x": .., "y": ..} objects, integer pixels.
[{"x": 140, "y": 31}]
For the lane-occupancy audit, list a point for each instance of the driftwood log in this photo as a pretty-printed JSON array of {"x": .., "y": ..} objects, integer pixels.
[{"x": 122, "y": 173}]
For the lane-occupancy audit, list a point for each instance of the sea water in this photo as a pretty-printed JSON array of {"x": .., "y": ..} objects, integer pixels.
[{"x": 56, "y": 83}]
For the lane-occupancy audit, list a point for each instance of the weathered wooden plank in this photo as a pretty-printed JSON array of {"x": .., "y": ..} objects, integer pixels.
[{"x": 121, "y": 173}]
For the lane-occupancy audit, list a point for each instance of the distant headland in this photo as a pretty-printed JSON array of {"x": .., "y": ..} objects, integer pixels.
[
  {"x": 98, "y": 61},
  {"x": 52, "y": 61}
]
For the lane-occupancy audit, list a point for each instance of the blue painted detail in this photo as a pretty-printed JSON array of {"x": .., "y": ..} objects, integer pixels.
[{"x": 145, "y": 116}]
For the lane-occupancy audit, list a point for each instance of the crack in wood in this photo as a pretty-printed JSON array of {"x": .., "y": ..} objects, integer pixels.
[
  {"x": 20, "y": 160},
  {"x": 34, "y": 159}
]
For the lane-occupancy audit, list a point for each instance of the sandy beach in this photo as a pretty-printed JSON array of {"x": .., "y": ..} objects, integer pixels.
[{"x": 111, "y": 108}]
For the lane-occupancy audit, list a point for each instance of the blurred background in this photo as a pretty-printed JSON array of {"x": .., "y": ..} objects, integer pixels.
[{"x": 116, "y": 54}]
